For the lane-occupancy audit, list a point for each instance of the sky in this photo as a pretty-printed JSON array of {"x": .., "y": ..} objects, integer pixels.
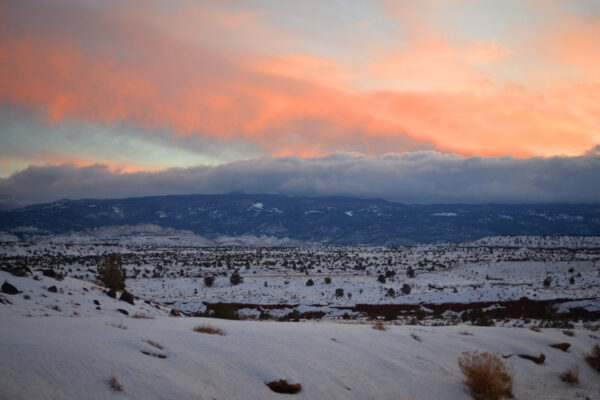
[{"x": 416, "y": 101}]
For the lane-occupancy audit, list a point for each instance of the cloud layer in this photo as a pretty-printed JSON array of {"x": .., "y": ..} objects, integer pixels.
[
  {"x": 473, "y": 78},
  {"x": 423, "y": 177}
]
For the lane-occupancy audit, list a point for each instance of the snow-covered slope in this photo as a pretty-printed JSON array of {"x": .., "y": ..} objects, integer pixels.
[{"x": 73, "y": 358}]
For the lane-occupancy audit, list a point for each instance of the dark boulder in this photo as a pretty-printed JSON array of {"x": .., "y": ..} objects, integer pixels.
[
  {"x": 9, "y": 289},
  {"x": 49, "y": 273},
  {"x": 112, "y": 293},
  {"x": 96, "y": 302},
  {"x": 127, "y": 297},
  {"x": 122, "y": 311},
  {"x": 52, "y": 289}
]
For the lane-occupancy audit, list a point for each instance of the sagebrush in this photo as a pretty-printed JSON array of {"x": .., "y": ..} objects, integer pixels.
[{"x": 486, "y": 376}]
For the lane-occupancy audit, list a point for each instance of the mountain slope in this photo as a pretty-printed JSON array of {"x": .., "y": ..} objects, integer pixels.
[{"x": 312, "y": 219}]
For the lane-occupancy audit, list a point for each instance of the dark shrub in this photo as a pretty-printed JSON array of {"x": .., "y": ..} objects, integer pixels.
[
  {"x": 406, "y": 288},
  {"x": 209, "y": 280},
  {"x": 381, "y": 278},
  {"x": 410, "y": 272},
  {"x": 310, "y": 282},
  {"x": 339, "y": 292},
  {"x": 389, "y": 314},
  {"x": 224, "y": 311},
  {"x": 328, "y": 280},
  {"x": 111, "y": 272},
  {"x": 236, "y": 278}
]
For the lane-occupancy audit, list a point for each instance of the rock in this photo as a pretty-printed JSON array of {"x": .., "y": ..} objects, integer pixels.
[
  {"x": 176, "y": 312},
  {"x": 21, "y": 272},
  {"x": 49, "y": 273},
  {"x": 52, "y": 289},
  {"x": 561, "y": 346},
  {"x": 9, "y": 289},
  {"x": 112, "y": 293},
  {"x": 281, "y": 386},
  {"x": 98, "y": 308},
  {"x": 122, "y": 311},
  {"x": 537, "y": 360},
  {"x": 127, "y": 297},
  {"x": 96, "y": 302}
]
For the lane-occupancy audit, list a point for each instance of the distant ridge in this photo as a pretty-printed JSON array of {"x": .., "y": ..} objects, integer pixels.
[{"x": 336, "y": 220}]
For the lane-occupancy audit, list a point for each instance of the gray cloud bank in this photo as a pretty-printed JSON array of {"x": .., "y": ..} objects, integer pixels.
[{"x": 422, "y": 177}]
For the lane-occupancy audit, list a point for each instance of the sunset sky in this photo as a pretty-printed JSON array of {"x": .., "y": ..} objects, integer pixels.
[{"x": 147, "y": 88}]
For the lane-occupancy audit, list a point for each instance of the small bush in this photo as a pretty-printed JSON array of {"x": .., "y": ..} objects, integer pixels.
[
  {"x": 381, "y": 278},
  {"x": 570, "y": 376},
  {"x": 339, "y": 292},
  {"x": 209, "y": 281},
  {"x": 310, "y": 282},
  {"x": 406, "y": 288},
  {"x": 593, "y": 358},
  {"x": 114, "y": 384},
  {"x": 410, "y": 272},
  {"x": 390, "y": 315},
  {"x": 209, "y": 330},
  {"x": 486, "y": 376},
  {"x": 224, "y": 311},
  {"x": 327, "y": 280},
  {"x": 111, "y": 272},
  {"x": 569, "y": 332},
  {"x": 380, "y": 326},
  {"x": 236, "y": 278}
]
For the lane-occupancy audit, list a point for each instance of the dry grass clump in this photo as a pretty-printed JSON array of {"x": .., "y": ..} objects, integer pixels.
[
  {"x": 465, "y": 333},
  {"x": 380, "y": 326},
  {"x": 486, "y": 376},
  {"x": 142, "y": 316},
  {"x": 154, "y": 344},
  {"x": 114, "y": 384},
  {"x": 593, "y": 358},
  {"x": 569, "y": 332},
  {"x": 535, "y": 328},
  {"x": 416, "y": 337},
  {"x": 571, "y": 376},
  {"x": 209, "y": 329},
  {"x": 120, "y": 325}
]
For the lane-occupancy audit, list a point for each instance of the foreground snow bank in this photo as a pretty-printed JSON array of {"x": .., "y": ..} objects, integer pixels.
[{"x": 73, "y": 358}]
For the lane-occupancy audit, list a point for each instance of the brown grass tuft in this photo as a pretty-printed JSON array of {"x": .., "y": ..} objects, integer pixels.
[
  {"x": 153, "y": 344},
  {"x": 593, "y": 357},
  {"x": 209, "y": 329},
  {"x": 416, "y": 337},
  {"x": 535, "y": 328},
  {"x": 571, "y": 376},
  {"x": 142, "y": 316},
  {"x": 486, "y": 376},
  {"x": 120, "y": 325},
  {"x": 465, "y": 333},
  {"x": 115, "y": 385},
  {"x": 380, "y": 326},
  {"x": 569, "y": 332}
]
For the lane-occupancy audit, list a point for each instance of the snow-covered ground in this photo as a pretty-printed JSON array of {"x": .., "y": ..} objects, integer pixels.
[
  {"x": 73, "y": 358},
  {"x": 65, "y": 338},
  {"x": 168, "y": 266}
]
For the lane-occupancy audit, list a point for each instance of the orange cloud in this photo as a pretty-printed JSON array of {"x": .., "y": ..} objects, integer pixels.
[{"x": 299, "y": 104}]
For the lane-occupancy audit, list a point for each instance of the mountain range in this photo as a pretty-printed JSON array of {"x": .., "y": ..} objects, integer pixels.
[{"x": 336, "y": 220}]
